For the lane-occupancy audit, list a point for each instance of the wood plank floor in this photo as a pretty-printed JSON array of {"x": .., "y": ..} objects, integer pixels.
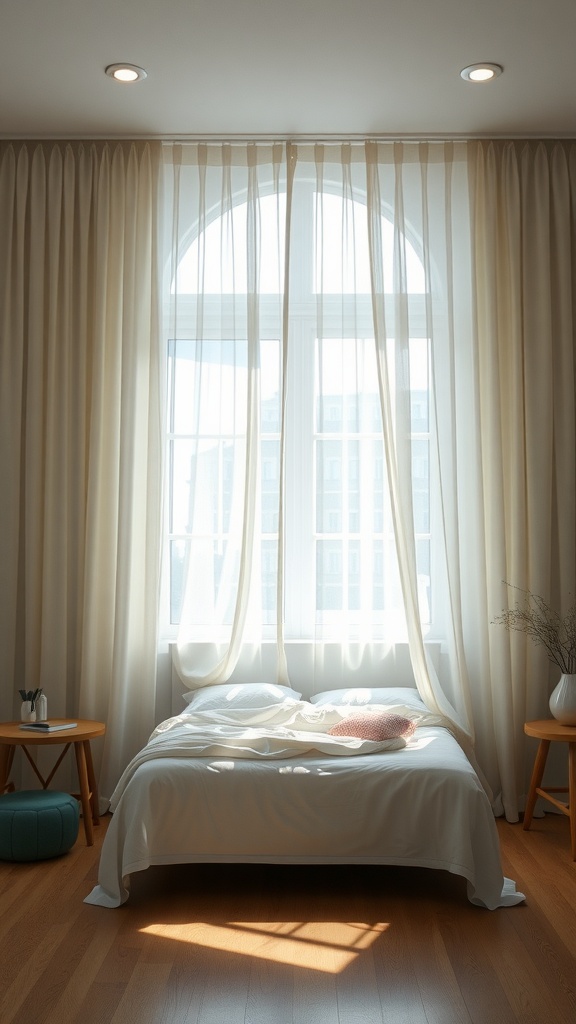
[{"x": 291, "y": 945}]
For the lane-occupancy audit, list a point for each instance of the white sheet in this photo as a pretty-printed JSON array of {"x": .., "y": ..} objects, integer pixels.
[{"x": 269, "y": 789}]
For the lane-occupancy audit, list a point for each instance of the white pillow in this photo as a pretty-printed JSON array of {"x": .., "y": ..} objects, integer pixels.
[
  {"x": 359, "y": 696},
  {"x": 225, "y": 696}
]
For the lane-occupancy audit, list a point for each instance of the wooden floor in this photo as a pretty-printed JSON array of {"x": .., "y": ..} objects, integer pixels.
[{"x": 291, "y": 945}]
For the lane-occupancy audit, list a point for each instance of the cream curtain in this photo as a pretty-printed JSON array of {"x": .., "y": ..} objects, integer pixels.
[
  {"x": 311, "y": 295},
  {"x": 343, "y": 278},
  {"x": 524, "y": 237},
  {"x": 81, "y": 436}
]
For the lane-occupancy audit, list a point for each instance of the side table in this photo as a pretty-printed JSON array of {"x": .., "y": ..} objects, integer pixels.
[
  {"x": 12, "y": 736},
  {"x": 550, "y": 731}
]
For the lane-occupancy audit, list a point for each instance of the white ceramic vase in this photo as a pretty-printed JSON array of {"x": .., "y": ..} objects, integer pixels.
[{"x": 563, "y": 700}]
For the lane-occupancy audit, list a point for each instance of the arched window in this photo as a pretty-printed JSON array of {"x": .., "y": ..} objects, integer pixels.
[{"x": 252, "y": 328}]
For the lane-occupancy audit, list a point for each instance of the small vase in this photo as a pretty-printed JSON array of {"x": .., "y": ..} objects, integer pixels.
[
  {"x": 26, "y": 713},
  {"x": 563, "y": 700}
]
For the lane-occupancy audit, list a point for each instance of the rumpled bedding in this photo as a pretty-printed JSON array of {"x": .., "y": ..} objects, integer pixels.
[{"x": 279, "y": 731}]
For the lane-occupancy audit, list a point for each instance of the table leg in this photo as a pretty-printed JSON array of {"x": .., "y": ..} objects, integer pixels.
[
  {"x": 572, "y": 795},
  {"x": 84, "y": 791},
  {"x": 92, "y": 783},
  {"x": 6, "y": 759},
  {"x": 537, "y": 774}
]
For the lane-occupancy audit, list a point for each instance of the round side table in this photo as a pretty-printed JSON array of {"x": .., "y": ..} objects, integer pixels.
[
  {"x": 12, "y": 736},
  {"x": 550, "y": 731}
]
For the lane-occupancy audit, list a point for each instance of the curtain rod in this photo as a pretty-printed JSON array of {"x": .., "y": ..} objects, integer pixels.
[
  {"x": 329, "y": 140},
  {"x": 367, "y": 137},
  {"x": 333, "y": 139}
]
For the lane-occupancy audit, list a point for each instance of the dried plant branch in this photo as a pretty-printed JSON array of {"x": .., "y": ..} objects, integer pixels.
[{"x": 544, "y": 627}]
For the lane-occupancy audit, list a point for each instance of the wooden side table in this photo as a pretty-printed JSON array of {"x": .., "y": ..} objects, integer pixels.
[
  {"x": 12, "y": 736},
  {"x": 550, "y": 731}
]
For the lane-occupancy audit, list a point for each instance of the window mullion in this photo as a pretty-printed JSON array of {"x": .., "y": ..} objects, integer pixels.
[{"x": 300, "y": 586}]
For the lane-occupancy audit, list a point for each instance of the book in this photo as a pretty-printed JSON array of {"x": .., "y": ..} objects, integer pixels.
[{"x": 48, "y": 726}]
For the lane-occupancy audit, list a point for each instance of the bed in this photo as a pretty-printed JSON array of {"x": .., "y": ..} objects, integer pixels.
[{"x": 255, "y": 774}]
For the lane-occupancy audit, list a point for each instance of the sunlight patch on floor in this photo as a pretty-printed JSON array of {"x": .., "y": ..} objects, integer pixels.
[{"x": 326, "y": 946}]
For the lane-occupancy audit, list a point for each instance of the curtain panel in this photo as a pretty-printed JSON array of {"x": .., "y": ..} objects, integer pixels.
[
  {"x": 81, "y": 435},
  {"x": 523, "y": 197}
]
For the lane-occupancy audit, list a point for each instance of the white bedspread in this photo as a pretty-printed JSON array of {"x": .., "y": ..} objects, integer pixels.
[
  {"x": 276, "y": 788},
  {"x": 284, "y": 730}
]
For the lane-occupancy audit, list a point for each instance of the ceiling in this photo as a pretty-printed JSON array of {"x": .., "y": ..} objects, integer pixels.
[{"x": 320, "y": 68}]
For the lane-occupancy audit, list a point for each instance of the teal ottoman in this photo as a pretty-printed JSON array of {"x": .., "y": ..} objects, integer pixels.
[{"x": 37, "y": 824}]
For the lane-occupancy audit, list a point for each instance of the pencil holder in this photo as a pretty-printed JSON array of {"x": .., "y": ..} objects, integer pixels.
[{"x": 26, "y": 713}]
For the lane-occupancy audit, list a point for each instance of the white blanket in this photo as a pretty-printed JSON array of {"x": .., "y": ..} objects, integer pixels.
[{"x": 282, "y": 730}]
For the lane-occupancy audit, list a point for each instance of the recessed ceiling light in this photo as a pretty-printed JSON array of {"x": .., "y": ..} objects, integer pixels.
[
  {"x": 481, "y": 72},
  {"x": 125, "y": 72}
]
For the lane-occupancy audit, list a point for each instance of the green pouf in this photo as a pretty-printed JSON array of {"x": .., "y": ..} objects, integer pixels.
[{"x": 37, "y": 824}]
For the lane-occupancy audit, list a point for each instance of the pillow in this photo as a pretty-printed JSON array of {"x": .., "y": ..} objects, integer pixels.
[
  {"x": 374, "y": 725},
  {"x": 238, "y": 696},
  {"x": 387, "y": 695}
]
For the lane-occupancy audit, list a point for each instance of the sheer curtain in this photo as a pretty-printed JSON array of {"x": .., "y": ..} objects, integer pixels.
[
  {"x": 81, "y": 435},
  {"x": 315, "y": 297},
  {"x": 371, "y": 422},
  {"x": 524, "y": 243}
]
